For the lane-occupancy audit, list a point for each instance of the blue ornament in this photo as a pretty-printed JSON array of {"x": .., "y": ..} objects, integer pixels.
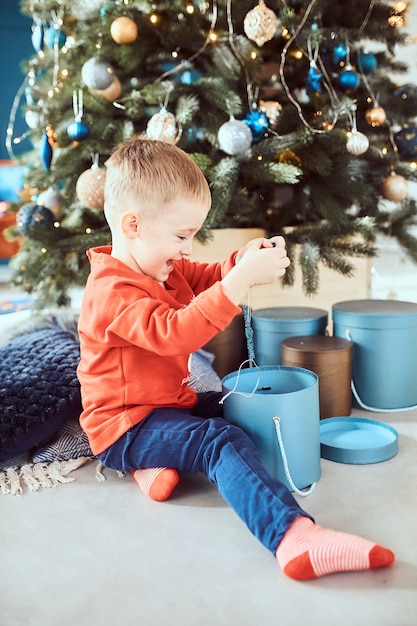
[
  {"x": 107, "y": 9},
  {"x": 55, "y": 36},
  {"x": 406, "y": 142},
  {"x": 367, "y": 62},
  {"x": 349, "y": 80},
  {"x": 313, "y": 79},
  {"x": 45, "y": 151},
  {"x": 339, "y": 53},
  {"x": 258, "y": 123},
  {"x": 186, "y": 75},
  {"x": 77, "y": 130},
  {"x": 31, "y": 215}
]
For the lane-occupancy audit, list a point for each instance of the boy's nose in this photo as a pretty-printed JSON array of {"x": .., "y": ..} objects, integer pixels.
[{"x": 187, "y": 248}]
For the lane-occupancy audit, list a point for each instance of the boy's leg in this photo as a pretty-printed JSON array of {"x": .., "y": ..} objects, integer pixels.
[{"x": 174, "y": 438}]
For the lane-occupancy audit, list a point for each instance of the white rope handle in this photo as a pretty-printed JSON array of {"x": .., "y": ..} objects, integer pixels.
[
  {"x": 307, "y": 492},
  {"x": 372, "y": 408}
]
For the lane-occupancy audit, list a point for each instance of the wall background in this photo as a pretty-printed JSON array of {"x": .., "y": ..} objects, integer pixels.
[{"x": 15, "y": 45}]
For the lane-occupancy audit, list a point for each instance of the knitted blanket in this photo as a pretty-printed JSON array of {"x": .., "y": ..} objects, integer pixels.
[{"x": 41, "y": 441}]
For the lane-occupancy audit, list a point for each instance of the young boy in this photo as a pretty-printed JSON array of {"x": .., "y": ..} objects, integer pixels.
[{"x": 146, "y": 308}]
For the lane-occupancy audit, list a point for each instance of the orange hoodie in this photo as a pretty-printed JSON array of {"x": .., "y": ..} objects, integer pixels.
[{"x": 136, "y": 338}]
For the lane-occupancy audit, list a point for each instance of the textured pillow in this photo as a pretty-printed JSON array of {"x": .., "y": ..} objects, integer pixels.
[
  {"x": 203, "y": 376},
  {"x": 71, "y": 443},
  {"x": 39, "y": 389}
]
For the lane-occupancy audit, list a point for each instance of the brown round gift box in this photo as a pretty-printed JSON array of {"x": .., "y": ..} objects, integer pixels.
[{"x": 331, "y": 359}]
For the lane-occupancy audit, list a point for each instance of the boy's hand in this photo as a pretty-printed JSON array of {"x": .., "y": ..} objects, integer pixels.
[
  {"x": 258, "y": 243},
  {"x": 260, "y": 262}
]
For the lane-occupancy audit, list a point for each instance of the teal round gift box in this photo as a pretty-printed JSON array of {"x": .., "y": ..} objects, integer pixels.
[
  {"x": 384, "y": 360},
  {"x": 253, "y": 397}
]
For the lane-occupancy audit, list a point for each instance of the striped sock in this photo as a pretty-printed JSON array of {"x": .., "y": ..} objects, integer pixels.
[
  {"x": 310, "y": 551},
  {"x": 157, "y": 482}
]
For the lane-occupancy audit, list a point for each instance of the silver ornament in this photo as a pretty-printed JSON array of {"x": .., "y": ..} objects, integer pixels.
[
  {"x": 234, "y": 136},
  {"x": 260, "y": 24},
  {"x": 50, "y": 199},
  {"x": 163, "y": 126},
  {"x": 97, "y": 74},
  {"x": 357, "y": 143}
]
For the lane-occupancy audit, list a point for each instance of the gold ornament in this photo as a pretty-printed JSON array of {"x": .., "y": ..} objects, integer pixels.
[
  {"x": 272, "y": 111},
  {"x": 395, "y": 187},
  {"x": 163, "y": 126},
  {"x": 357, "y": 143},
  {"x": 260, "y": 24},
  {"x": 124, "y": 30},
  {"x": 110, "y": 93},
  {"x": 375, "y": 116},
  {"x": 90, "y": 187}
]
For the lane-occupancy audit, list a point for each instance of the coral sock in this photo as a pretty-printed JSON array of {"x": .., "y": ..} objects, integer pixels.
[
  {"x": 309, "y": 551},
  {"x": 157, "y": 482}
]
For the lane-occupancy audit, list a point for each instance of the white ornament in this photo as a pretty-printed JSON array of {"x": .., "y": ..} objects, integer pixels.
[
  {"x": 50, "y": 199},
  {"x": 357, "y": 143},
  {"x": 260, "y": 24},
  {"x": 32, "y": 119},
  {"x": 97, "y": 74},
  {"x": 234, "y": 136},
  {"x": 163, "y": 126}
]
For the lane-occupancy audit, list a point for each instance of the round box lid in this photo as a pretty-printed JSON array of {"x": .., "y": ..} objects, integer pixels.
[
  {"x": 289, "y": 313},
  {"x": 357, "y": 440}
]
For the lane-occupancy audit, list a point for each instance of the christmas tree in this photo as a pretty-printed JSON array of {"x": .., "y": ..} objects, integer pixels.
[{"x": 288, "y": 107}]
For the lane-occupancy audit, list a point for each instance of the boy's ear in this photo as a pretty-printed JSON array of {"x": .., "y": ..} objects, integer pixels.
[{"x": 129, "y": 223}]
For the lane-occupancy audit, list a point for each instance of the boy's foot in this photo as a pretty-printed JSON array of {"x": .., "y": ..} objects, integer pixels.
[
  {"x": 157, "y": 482},
  {"x": 310, "y": 551}
]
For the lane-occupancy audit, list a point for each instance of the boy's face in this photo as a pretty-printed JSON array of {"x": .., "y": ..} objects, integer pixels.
[{"x": 167, "y": 237}]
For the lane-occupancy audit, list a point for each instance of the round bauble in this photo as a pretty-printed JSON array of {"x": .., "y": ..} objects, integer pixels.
[
  {"x": 395, "y": 187},
  {"x": 357, "y": 143},
  {"x": 367, "y": 62},
  {"x": 375, "y": 116},
  {"x": 50, "y": 199},
  {"x": 258, "y": 123},
  {"x": 90, "y": 188},
  {"x": 124, "y": 30},
  {"x": 349, "y": 80},
  {"x": 406, "y": 142},
  {"x": 339, "y": 53},
  {"x": 77, "y": 130},
  {"x": 55, "y": 37},
  {"x": 97, "y": 74},
  {"x": 111, "y": 93},
  {"x": 234, "y": 137},
  {"x": 163, "y": 126},
  {"x": 31, "y": 216},
  {"x": 260, "y": 24}
]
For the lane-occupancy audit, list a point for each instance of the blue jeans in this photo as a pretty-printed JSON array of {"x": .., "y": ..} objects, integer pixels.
[{"x": 200, "y": 440}]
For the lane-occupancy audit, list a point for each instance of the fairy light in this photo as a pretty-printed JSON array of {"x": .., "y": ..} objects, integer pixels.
[
  {"x": 253, "y": 55},
  {"x": 153, "y": 18},
  {"x": 189, "y": 9},
  {"x": 213, "y": 37},
  {"x": 88, "y": 231}
]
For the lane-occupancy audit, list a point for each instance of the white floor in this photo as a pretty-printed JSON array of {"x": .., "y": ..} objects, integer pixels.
[{"x": 93, "y": 552}]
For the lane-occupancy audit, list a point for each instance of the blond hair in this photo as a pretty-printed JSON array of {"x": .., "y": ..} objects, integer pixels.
[{"x": 144, "y": 172}]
